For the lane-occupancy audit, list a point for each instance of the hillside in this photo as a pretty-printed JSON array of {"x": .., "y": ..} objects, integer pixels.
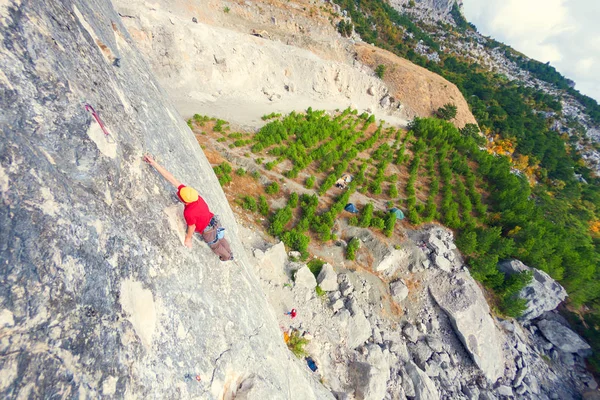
[{"x": 295, "y": 65}]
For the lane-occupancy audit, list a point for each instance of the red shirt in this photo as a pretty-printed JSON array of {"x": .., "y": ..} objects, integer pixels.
[{"x": 196, "y": 213}]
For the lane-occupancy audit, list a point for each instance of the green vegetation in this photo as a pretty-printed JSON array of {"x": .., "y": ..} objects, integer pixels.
[
  {"x": 310, "y": 182},
  {"x": 270, "y": 116},
  {"x": 352, "y": 247},
  {"x": 344, "y": 28},
  {"x": 296, "y": 344},
  {"x": 380, "y": 71},
  {"x": 263, "y": 206},
  {"x": 249, "y": 203},
  {"x": 315, "y": 265},
  {"x": 496, "y": 213},
  {"x": 448, "y": 111},
  {"x": 320, "y": 292},
  {"x": 223, "y": 172},
  {"x": 272, "y": 188}
]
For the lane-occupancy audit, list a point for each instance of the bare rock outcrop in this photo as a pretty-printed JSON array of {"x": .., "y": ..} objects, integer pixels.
[
  {"x": 469, "y": 313},
  {"x": 562, "y": 337},
  {"x": 99, "y": 296}
]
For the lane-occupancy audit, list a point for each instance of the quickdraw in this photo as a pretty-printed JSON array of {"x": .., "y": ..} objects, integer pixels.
[{"x": 89, "y": 108}]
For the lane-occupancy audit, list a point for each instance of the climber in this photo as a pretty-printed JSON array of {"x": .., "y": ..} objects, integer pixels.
[{"x": 197, "y": 215}]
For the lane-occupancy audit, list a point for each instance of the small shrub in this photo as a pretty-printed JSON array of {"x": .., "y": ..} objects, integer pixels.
[
  {"x": 273, "y": 188},
  {"x": 353, "y": 246},
  {"x": 226, "y": 10},
  {"x": 320, "y": 292},
  {"x": 447, "y": 112},
  {"x": 315, "y": 265},
  {"x": 293, "y": 200},
  {"x": 249, "y": 203},
  {"x": 240, "y": 172},
  {"x": 366, "y": 215},
  {"x": 345, "y": 28},
  {"x": 310, "y": 182},
  {"x": 296, "y": 344},
  {"x": 378, "y": 223},
  {"x": 353, "y": 221},
  {"x": 226, "y": 167},
  {"x": 263, "y": 206},
  {"x": 380, "y": 71},
  {"x": 255, "y": 175}
]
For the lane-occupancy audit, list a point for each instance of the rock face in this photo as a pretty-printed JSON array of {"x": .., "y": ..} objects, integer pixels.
[
  {"x": 562, "y": 337},
  {"x": 542, "y": 294},
  {"x": 464, "y": 303},
  {"x": 99, "y": 296}
]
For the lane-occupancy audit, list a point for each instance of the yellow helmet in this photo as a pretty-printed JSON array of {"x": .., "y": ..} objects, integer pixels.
[{"x": 188, "y": 194}]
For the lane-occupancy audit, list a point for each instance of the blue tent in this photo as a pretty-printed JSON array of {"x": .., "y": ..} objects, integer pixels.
[
  {"x": 351, "y": 208},
  {"x": 399, "y": 213}
]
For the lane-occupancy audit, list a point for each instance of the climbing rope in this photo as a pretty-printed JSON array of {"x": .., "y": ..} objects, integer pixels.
[{"x": 108, "y": 136}]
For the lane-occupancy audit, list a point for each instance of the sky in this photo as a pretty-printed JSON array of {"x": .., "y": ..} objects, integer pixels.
[{"x": 564, "y": 32}]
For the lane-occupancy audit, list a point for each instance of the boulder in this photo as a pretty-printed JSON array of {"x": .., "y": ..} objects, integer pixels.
[
  {"x": 562, "y": 337},
  {"x": 295, "y": 254},
  {"x": 327, "y": 279},
  {"x": 399, "y": 291},
  {"x": 542, "y": 294},
  {"x": 410, "y": 332},
  {"x": 434, "y": 343},
  {"x": 305, "y": 278},
  {"x": 359, "y": 330},
  {"x": 504, "y": 390},
  {"x": 421, "y": 353},
  {"x": 370, "y": 378},
  {"x": 391, "y": 259},
  {"x": 442, "y": 263},
  {"x": 271, "y": 263},
  {"x": 469, "y": 314},
  {"x": 423, "y": 385}
]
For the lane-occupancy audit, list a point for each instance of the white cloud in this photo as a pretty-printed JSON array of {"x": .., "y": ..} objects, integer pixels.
[{"x": 564, "y": 32}]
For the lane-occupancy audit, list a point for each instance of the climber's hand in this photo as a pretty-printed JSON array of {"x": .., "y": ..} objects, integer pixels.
[{"x": 148, "y": 158}]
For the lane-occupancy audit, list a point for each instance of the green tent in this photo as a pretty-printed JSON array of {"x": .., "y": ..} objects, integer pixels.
[{"x": 398, "y": 212}]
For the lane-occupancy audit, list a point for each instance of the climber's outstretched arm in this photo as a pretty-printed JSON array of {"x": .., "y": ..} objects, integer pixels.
[{"x": 161, "y": 170}]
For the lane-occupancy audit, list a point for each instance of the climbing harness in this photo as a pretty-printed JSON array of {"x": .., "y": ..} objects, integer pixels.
[
  {"x": 214, "y": 223},
  {"x": 108, "y": 136}
]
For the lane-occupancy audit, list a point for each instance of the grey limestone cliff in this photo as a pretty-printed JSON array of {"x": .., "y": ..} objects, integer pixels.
[{"x": 98, "y": 295}]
